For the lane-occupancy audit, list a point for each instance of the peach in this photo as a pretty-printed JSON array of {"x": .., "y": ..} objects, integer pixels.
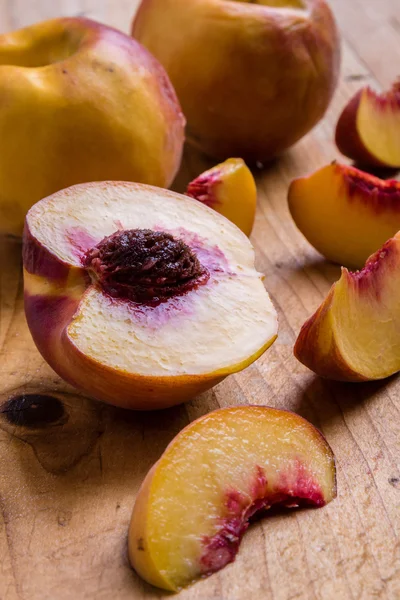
[
  {"x": 230, "y": 189},
  {"x": 353, "y": 336},
  {"x": 368, "y": 130},
  {"x": 139, "y": 296},
  {"x": 195, "y": 503},
  {"x": 81, "y": 102},
  {"x": 253, "y": 77},
  {"x": 345, "y": 213}
]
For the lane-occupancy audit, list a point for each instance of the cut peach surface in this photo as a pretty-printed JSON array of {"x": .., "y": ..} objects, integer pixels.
[
  {"x": 368, "y": 130},
  {"x": 139, "y": 296},
  {"x": 344, "y": 213},
  {"x": 230, "y": 189},
  {"x": 195, "y": 503},
  {"x": 354, "y": 334}
]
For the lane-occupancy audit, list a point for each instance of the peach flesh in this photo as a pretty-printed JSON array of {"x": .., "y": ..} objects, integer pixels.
[
  {"x": 353, "y": 334},
  {"x": 230, "y": 189},
  {"x": 344, "y": 213},
  {"x": 170, "y": 347},
  {"x": 216, "y": 475},
  {"x": 367, "y": 129}
]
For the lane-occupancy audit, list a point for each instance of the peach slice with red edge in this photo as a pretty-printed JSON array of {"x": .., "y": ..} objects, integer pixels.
[
  {"x": 344, "y": 213},
  {"x": 139, "y": 296},
  {"x": 353, "y": 336},
  {"x": 195, "y": 503},
  {"x": 368, "y": 130},
  {"x": 230, "y": 189}
]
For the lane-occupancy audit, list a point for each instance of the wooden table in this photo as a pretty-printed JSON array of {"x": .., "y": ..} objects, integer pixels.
[{"x": 67, "y": 487}]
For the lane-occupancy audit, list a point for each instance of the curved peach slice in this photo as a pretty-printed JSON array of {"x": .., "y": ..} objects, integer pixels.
[
  {"x": 141, "y": 297},
  {"x": 345, "y": 213},
  {"x": 195, "y": 503},
  {"x": 230, "y": 189},
  {"x": 368, "y": 130},
  {"x": 353, "y": 336}
]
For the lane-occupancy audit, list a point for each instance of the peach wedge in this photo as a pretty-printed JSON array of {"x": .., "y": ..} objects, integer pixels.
[
  {"x": 368, "y": 130},
  {"x": 139, "y": 296},
  {"x": 195, "y": 503},
  {"x": 345, "y": 213},
  {"x": 230, "y": 189},
  {"x": 353, "y": 336}
]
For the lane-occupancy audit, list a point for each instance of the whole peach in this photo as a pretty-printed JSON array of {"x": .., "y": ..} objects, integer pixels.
[
  {"x": 81, "y": 102},
  {"x": 252, "y": 77}
]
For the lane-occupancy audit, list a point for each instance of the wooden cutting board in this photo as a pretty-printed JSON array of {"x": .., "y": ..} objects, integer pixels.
[{"x": 71, "y": 467}]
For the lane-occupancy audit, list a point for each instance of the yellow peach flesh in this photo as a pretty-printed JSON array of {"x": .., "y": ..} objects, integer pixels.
[
  {"x": 341, "y": 216},
  {"x": 378, "y": 125},
  {"x": 230, "y": 189},
  {"x": 353, "y": 336}
]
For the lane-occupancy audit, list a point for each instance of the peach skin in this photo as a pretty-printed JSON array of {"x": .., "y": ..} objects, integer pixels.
[
  {"x": 353, "y": 336},
  {"x": 196, "y": 502},
  {"x": 368, "y": 130},
  {"x": 139, "y": 296},
  {"x": 81, "y": 102},
  {"x": 345, "y": 213},
  {"x": 253, "y": 77},
  {"x": 230, "y": 189}
]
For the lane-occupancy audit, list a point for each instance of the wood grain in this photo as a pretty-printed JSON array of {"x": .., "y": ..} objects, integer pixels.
[{"x": 70, "y": 467}]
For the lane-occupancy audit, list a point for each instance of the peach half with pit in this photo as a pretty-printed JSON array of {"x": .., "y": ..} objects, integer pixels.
[
  {"x": 368, "y": 130},
  {"x": 353, "y": 335},
  {"x": 253, "y": 76},
  {"x": 344, "y": 213},
  {"x": 81, "y": 102},
  {"x": 230, "y": 189},
  {"x": 139, "y": 296},
  {"x": 220, "y": 471}
]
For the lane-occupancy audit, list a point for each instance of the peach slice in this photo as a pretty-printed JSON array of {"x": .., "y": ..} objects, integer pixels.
[
  {"x": 230, "y": 189},
  {"x": 368, "y": 130},
  {"x": 353, "y": 336},
  {"x": 139, "y": 296},
  {"x": 195, "y": 503},
  {"x": 345, "y": 213}
]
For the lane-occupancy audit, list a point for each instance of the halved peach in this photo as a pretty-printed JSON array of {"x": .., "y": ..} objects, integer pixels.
[
  {"x": 139, "y": 296},
  {"x": 345, "y": 213},
  {"x": 368, "y": 130},
  {"x": 354, "y": 334},
  {"x": 195, "y": 503},
  {"x": 230, "y": 189}
]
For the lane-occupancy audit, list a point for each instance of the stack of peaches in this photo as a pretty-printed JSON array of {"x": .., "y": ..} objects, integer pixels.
[{"x": 143, "y": 298}]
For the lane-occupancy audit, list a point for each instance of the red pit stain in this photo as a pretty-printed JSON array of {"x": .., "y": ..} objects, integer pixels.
[
  {"x": 80, "y": 241},
  {"x": 382, "y": 262},
  {"x": 203, "y": 189},
  {"x": 154, "y": 316},
  {"x": 386, "y": 99},
  {"x": 378, "y": 194},
  {"x": 297, "y": 488}
]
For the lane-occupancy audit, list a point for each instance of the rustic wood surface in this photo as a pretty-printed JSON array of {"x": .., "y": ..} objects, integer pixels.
[{"x": 70, "y": 467}]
